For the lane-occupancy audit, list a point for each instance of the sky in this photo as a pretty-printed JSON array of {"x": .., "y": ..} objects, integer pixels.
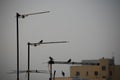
[{"x": 92, "y": 28}]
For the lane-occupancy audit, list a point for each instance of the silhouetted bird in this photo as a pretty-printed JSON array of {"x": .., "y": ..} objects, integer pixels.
[
  {"x": 41, "y": 41},
  {"x": 23, "y": 16},
  {"x": 35, "y": 44},
  {"x": 51, "y": 59},
  {"x": 54, "y": 73},
  {"x": 36, "y": 70},
  {"x": 63, "y": 74},
  {"x": 69, "y": 61}
]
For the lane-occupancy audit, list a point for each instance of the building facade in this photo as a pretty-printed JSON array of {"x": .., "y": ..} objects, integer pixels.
[{"x": 101, "y": 69}]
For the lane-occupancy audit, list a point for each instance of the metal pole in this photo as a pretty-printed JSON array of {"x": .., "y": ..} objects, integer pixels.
[
  {"x": 17, "y": 15},
  {"x": 50, "y": 71},
  {"x": 50, "y": 63},
  {"x": 28, "y": 60},
  {"x": 17, "y": 28}
]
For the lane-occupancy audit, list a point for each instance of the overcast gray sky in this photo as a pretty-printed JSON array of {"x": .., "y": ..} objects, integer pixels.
[{"x": 92, "y": 28}]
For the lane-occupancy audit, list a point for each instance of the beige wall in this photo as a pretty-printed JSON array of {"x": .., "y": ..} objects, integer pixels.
[
  {"x": 115, "y": 72},
  {"x": 88, "y": 71},
  {"x": 110, "y": 72},
  {"x": 83, "y": 71},
  {"x": 104, "y": 73},
  {"x": 63, "y": 78}
]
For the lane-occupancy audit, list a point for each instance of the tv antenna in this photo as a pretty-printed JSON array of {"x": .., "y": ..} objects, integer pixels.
[{"x": 36, "y": 44}]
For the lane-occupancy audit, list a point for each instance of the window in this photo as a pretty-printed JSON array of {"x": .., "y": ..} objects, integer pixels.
[
  {"x": 96, "y": 73},
  {"x": 77, "y": 73},
  {"x": 87, "y": 73},
  {"x": 104, "y": 77},
  {"x": 103, "y": 68},
  {"x": 98, "y": 64},
  {"x": 110, "y": 73}
]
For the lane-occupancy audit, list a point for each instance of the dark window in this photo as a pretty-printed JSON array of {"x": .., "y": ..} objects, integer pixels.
[
  {"x": 87, "y": 73},
  {"x": 103, "y": 76},
  {"x": 110, "y": 73},
  {"x": 103, "y": 68},
  {"x": 96, "y": 73},
  {"x": 77, "y": 73},
  {"x": 98, "y": 64}
]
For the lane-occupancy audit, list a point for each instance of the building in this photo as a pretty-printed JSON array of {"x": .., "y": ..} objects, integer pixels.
[{"x": 101, "y": 69}]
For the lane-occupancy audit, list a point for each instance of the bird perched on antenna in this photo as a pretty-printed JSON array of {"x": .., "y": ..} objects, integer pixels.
[
  {"x": 69, "y": 61},
  {"x": 51, "y": 59},
  {"x": 41, "y": 41},
  {"x": 63, "y": 74},
  {"x": 35, "y": 44},
  {"x": 23, "y": 16}
]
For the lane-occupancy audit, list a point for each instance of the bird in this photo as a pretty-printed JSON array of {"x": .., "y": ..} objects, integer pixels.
[
  {"x": 69, "y": 61},
  {"x": 63, "y": 74},
  {"x": 54, "y": 73},
  {"x": 36, "y": 71},
  {"x": 41, "y": 41},
  {"x": 35, "y": 44},
  {"x": 23, "y": 16},
  {"x": 51, "y": 59}
]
